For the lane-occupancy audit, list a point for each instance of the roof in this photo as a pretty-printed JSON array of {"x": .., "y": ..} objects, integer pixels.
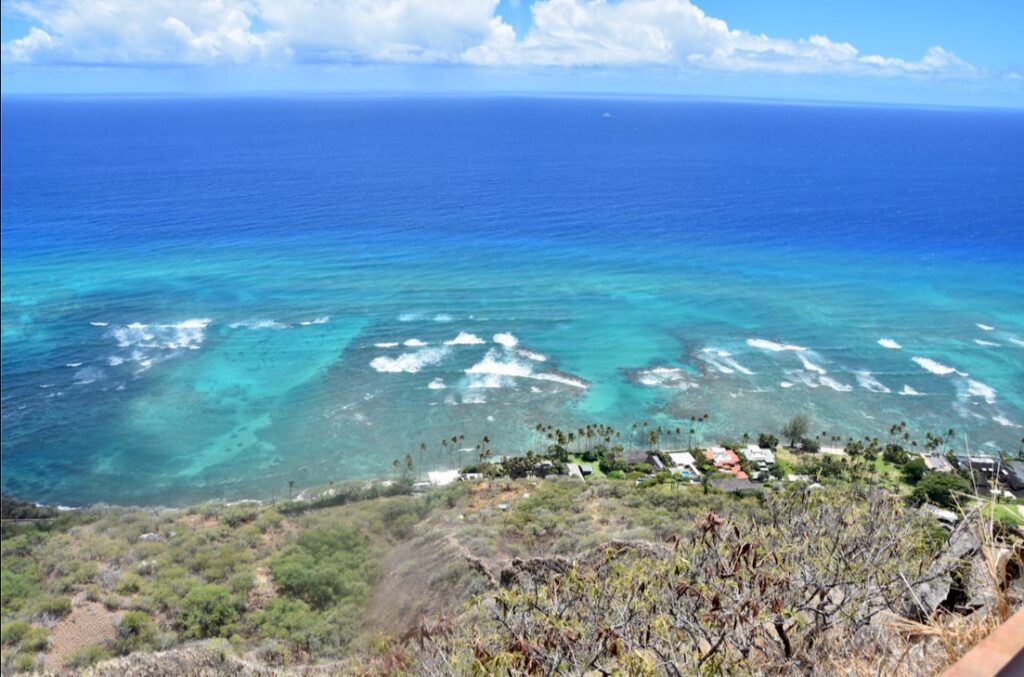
[
  {"x": 635, "y": 456},
  {"x": 682, "y": 458},
  {"x": 722, "y": 456},
  {"x": 756, "y": 453},
  {"x": 573, "y": 470},
  {"x": 736, "y": 484},
  {"x": 439, "y": 478},
  {"x": 936, "y": 462}
]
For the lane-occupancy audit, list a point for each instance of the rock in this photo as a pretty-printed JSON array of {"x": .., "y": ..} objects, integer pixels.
[{"x": 151, "y": 537}]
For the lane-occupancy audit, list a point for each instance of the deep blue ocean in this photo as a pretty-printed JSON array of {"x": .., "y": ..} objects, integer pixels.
[{"x": 211, "y": 297}]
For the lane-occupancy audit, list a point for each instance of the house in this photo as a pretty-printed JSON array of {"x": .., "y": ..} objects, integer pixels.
[
  {"x": 586, "y": 469},
  {"x": 637, "y": 456},
  {"x": 990, "y": 469},
  {"x": 835, "y": 451},
  {"x": 684, "y": 464},
  {"x": 936, "y": 463},
  {"x": 440, "y": 478},
  {"x": 762, "y": 458},
  {"x": 573, "y": 470},
  {"x": 725, "y": 461}
]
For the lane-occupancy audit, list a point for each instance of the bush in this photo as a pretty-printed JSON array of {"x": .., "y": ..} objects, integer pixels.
[
  {"x": 288, "y": 619},
  {"x": 325, "y": 565},
  {"x": 767, "y": 441},
  {"x": 135, "y": 632},
  {"x": 51, "y": 605},
  {"x": 13, "y": 632},
  {"x": 36, "y": 639},
  {"x": 810, "y": 445},
  {"x": 942, "y": 489},
  {"x": 914, "y": 470},
  {"x": 90, "y": 655},
  {"x": 208, "y": 611}
]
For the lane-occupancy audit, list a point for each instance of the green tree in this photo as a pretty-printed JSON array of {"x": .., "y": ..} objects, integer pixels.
[
  {"x": 796, "y": 429},
  {"x": 943, "y": 489},
  {"x": 208, "y": 611},
  {"x": 914, "y": 471}
]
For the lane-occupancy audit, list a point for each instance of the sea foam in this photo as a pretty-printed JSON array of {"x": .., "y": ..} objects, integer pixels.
[
  {"x": 979, "y": 389},
  {"x": 168, "y": 338},
  {"x": 935, "y": 367},
  {"x": 811, "y": 366},
  {"x": 990, "y": 344},
  {"x": 258, "y": 324},
  {"x": 323, "y": 319},
  {"x": 506, "y": 339},
  {"x": 869, "y": 382},
  {"x": 499, "y": 369},
  {"x": 889, "y": 343},
  {"x": 910, "y": 392},
  {"x": 409, "y": 363},
  {"x": 765, "y": 344},
  {"x": 465, "y": 339},
  {"x": 984, "y": 327},
  {"x": 663, "y": 377},
  {"x": 723, "y": 361}
]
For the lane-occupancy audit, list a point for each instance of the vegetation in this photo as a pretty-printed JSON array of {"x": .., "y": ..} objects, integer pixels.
[{"x": 709, "y": 581}]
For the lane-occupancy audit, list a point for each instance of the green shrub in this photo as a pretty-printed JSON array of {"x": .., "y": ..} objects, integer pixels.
[
  {"x": 129, "y": 584},
  {"x": 288, "y": 619},
  {"x": 13, "y": 632},
  {"x": 36, "y": 639},
  {"x": 914, "y": 470},
  {"x": 17, "y": 587},
  {"x": 51, "y": 605},
  {"x": 135, "y": 632},
  {"x": 325, "y": 565},
  {"x": 90, "y": 655},
  {"x": 208, "y": 611}
]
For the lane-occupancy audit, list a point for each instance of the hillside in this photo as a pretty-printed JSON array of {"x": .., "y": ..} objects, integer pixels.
[{"x": 529, "y": 575}]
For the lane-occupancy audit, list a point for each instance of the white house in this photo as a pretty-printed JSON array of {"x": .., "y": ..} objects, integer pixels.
[
  {"x": 759, "y": 456},
  {"x": 440, "y": 478},
  {"x": 684, "y": 463}
]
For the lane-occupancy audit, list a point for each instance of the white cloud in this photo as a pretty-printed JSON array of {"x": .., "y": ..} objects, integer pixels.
[{"x": 564, "y": 33}]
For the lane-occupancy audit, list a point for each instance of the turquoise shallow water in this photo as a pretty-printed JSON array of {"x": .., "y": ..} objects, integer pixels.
[{"x": 212, "y": 298}]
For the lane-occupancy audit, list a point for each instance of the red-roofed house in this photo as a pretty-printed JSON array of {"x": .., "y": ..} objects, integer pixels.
[{"x": 725, "y": 461}]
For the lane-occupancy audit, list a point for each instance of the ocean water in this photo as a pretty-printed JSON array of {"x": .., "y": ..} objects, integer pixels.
[{"x": 213, "y": 297}]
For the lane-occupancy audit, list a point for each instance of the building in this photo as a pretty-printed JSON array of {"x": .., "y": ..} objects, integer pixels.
[
  {"x": 763, "y": 458},
  {"x": 725, "y": 461},
  {"x": 440, "y": 478},
  {"x": 988, "y": 470},
  {"x": 936, "y": 463},
  {"x": 684, "y": 464}
]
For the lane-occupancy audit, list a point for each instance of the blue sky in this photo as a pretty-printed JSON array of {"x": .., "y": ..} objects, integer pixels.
[{"x": 945, "y": 53}]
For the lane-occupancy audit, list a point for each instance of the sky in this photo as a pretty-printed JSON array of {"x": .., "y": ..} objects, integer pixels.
[{"x": 870, "y": 51}]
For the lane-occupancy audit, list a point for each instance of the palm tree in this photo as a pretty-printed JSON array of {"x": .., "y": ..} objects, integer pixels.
[{"x": 291, "y": 488}]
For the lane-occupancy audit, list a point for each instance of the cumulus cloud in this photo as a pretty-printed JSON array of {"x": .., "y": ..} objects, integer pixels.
[{"x": 563, "y": 33}]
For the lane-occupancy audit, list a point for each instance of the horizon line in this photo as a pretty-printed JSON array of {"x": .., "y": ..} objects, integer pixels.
[{"x": 501, "y": 94}]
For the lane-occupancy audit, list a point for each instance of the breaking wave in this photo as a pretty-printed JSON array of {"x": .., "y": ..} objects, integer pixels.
[
  {"x": 409, "y": 363},
  {"x": 765, "y": 344},
  {"x": 465, "y": 339},
  {"x": 935, "y": 367}
]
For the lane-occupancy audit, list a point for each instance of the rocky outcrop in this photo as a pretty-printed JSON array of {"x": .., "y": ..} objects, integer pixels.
[{"x": 971, "y": 574}]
